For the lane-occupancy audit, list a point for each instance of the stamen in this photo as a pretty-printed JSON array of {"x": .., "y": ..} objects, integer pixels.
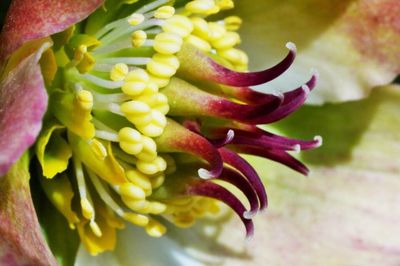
[
  {"x": 136, "y": 61},
  {"x": 106, "y": 135},
  {"x": 138, "y": 38},
  {"x": 130, "y": 191},
  {"x": 119, "y": 72},
  {"x": 107, "y": 84},
  {"x": 103, "y": 99},
  {"x": 116, "y": 34},
  {"x": 164, "y": 12},
  {"x": 85, "y": 202},
  {"x": 135, "y": 19},
  {"x": 155, "y": 229},
  {"x": 140, "y": 220},
  {"x": 151, "y": 6},
  {"x": 232, "y": 23}
]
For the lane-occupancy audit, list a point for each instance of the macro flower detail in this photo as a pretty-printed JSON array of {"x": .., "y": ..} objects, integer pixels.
[{"x": 149, "y": 110}]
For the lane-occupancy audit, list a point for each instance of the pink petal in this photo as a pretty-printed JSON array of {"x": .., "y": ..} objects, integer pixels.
[
  {"x": 353, "y": 44},
  {"x": 21, "y": 240},
  {"x": 28, "y": 20},
  {"x": 23, "y": 102}
]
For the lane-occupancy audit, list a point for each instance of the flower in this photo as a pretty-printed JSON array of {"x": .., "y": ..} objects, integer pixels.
[
  {"x": 75, "y": 106},
  {"x": 148, "y": 110}
]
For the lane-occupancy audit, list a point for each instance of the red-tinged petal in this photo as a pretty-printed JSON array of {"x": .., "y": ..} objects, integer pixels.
[
  {"x": 23, "y": 102},
  {"x": 198, "y": 66},
  {"x": 215, "y": 191},
  {"x": 28, "y": 20},
  {"x": 176, "y": 138},
  {"x": 21, "y": 240},
  {"x": 240, "y": 164},
  {"x": 354, "y": 44}
]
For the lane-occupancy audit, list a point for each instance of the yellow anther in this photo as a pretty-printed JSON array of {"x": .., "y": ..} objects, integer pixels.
[
  {"x": 204, "y": 7},
  {"x": 151, "y": 89},
  {"x": 184, "y": 220},
  {"x": 161, "y": 163},
  {"x": 179, "y": 25},
  {"x": 225, "y": 4},
  {"x": 135, "y": 108},
  {"x": 151, "y": 168},
  {"x": 155, "y": 229},
  {"x": 98, "y": 149},
  {"x": 138, "y": 38},
  {"x": 133, "y": 88},
  {"x": 233, "y": 23},
  {"x": 160, "y": 103},
  {"x": 228, "y": 40},
  {"x": 157, "y": 207},
  {"x": 235, "y": 56},
  {"x": 148, "y": 168},
  {"x": 137, "y": 219},
  {"x": 169, "y": 60},
  {"x": 86, "y": 64},
  {"x": 87, "y": 209},
  {"x": 130, "y": 140},
  {"x": 167, "y": 43},
  {"x": 156, "y": 126},
  {"x": 135, "y": 19},
  {"x": 161, "y": 82},
  {"x": 139, "y": 113},
  {"x": 149, "y": 152},
  {"x": 95, "y": 229},
  {"x": 80, "y": 52},
  {"x": 135, "y": 82},
  {"x": 157, "y": 181},
  {"x": 160, "y": 69},
  {"x": 138, "y": 74},
  {"x": 119, "y": 72},
  {"x": 164, "y": 12},
  {"x": 198, "y": 43},
  {"x": 163, "y": 66},
  {"x": 216, "y": 31},
  {"x": 85, "y": 99},
  {"x": 139, "y": 179},
  {"x": 131, "y": 191},
  {"x": 200, "y": 27},
  {"x": 136, "y": 205}
]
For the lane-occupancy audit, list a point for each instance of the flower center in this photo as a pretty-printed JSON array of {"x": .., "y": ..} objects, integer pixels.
[{"x": 152, "y": 110}]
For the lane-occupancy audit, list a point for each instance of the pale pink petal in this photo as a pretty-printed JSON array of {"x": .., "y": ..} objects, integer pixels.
[
  {"x": 28, "y": 20},
  {"x": 23, "y": 102},
  {"x": 353, "y": 44},
  {"x": 21, "y": 239}
]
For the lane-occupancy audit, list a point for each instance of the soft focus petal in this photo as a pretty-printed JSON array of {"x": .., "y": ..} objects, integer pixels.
[
  {"x": 346, "y": 212},
  {"x": 28, "y": 20},
  {"x": 21, "y": 240},
  {"x": 354, "y": 44},
  {"x": 146, "y": 251},
  {"x": 23, "y": 102}
]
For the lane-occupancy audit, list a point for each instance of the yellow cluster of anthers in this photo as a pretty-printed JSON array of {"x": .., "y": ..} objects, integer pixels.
[{"x": 120, "y": 165}]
